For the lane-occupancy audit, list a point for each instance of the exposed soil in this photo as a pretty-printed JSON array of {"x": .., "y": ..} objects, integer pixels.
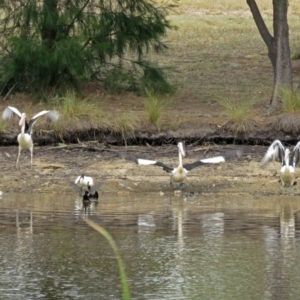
[{"x": 54, "y": 169}]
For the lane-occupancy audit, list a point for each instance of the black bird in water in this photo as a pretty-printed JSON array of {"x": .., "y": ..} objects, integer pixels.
[{"x": 90, "y": 194}]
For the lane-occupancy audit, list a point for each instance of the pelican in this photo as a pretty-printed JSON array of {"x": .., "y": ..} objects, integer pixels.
[
  {"x": 84, "y": 181},
  {"x": 288, "y": 162},
  {"x": 88, "y": 182},
  {"x": 179, "y": 174},
  {"x": 24, "y": 138}
]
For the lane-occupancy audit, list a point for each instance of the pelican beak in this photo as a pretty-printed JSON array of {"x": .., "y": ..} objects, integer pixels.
[{"x": 22, "y": 120}]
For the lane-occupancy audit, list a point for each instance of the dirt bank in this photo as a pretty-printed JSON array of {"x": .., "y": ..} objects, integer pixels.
[{"x": 55, "y": 167}]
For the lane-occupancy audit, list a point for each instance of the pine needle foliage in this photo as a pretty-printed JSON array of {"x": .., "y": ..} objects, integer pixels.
[{"x": 54, "y": 44}]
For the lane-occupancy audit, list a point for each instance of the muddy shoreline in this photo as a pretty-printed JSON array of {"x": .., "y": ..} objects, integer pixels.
[{"x": 55, "y": 166}]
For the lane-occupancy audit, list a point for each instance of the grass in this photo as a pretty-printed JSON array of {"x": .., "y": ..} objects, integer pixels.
[
  {"x": 3, "y": 126},
  {"x": 124, "y": 124},
  {"x": 240, "y": 114},
  {"x": 175, "y": 124},
  {"x": 84, "y": 114},
  {"x": 154, "y": 106},
  {"x": 290, "y": 100},
  {"x": 81, "y": 114},
  {"x": 101, "y": 230},
  {"x": 287, "y": 123},
  {"x": 289, "y": 120},
  {"x": 224, "y": 6},
  {"x": 73, "y": 108}
]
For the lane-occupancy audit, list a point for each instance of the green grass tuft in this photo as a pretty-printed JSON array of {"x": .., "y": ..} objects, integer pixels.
[
  {"x": 79, "y": 113},
  {"x": 240, "y": 114},
  {"x": 176, "y": 124},
  {"x": 124, "y": 124},
  {"x": 154, "y": 105},
  {"x": 2, "y": 126},
  {"x": 290, "y": 100}
]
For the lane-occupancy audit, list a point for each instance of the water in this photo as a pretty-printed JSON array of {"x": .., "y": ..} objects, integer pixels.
[{"x": 206, "y": 247}]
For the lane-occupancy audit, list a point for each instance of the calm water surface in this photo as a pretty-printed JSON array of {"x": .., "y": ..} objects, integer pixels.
[{"x": 206, "y": 247}]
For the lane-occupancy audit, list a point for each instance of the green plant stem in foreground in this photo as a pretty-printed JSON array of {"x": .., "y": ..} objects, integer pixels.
[{"x": 125, "y": 288}]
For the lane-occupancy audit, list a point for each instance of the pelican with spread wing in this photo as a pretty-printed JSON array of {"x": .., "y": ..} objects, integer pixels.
[
  {"x": 179, "y": 173},
  {"x": 24, "y": 138},
  {"x": 288, "y": 161}
]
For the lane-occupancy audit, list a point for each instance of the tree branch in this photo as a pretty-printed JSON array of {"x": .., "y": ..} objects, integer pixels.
[{"x": 262, "y": 28}]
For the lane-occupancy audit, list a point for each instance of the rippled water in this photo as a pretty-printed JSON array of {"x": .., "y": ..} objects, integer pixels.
[{"x": 206, "y": 247}]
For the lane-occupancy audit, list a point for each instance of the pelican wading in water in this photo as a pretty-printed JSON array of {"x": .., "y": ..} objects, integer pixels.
[
  {"x": 24, "y": 138},
  {"x": 85, "y": 186},
  {"x": 288, "y": 161},
  {"x": 179, "y": 174}
]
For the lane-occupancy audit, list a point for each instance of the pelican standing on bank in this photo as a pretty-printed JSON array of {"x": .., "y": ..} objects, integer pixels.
[
  {"x": 288, "y": 162},
  {"x": 24, "y": 138},
  {"x": 179, "y": 174}
]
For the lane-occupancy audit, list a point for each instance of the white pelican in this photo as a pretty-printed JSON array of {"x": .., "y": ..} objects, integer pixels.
[
  {"x": 24, "y": 138},
  {"x": 179, "y": 174},
  {"x": 278, "y": 152},
  {"x": 84, "y": 181},
  {"x": 88, "y": 183}
]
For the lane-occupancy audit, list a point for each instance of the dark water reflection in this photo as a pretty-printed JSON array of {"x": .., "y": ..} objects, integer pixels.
[{"x": 208, "y": 247}]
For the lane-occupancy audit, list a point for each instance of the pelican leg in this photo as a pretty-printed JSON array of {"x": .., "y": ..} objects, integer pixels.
[
  {"x": 181, "y": 186},
  {"x": 17, "y": 162},
  {"x": 31, "y": 157},
  {"x": 171, "y": 182}
]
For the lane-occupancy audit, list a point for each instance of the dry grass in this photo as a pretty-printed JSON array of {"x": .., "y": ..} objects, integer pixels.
[
  {"x": 241, "y": 116},
  {"x": 223, "y": 7},
  {"x": 287, "y": 123},
  {"x": 78, "y": 114},
  {"x": 124, "y": 124},
  {"x": 220, "y": 53},
  {"x": 289, "y": 120}
]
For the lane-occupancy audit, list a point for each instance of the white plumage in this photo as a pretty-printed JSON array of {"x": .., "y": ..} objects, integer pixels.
[
  {"x": 179, "y": 173},
  {"x": 24, "y": 138},
  {"x": 288, "y": 163},
  {"x": 84, "y": 181}
]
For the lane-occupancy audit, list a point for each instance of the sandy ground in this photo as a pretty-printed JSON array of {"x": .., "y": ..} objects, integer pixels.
[{"x": 55, "y": 167}]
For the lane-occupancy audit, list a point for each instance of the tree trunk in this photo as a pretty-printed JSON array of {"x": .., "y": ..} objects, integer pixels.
[
  {"x": 49, "y": 28},
  {"x": 283, "y": 71},
  {"x": 278, "y": 46}
]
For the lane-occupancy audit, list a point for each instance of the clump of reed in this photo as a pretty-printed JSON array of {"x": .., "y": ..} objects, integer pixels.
[{"x": 108, "y": 237}]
